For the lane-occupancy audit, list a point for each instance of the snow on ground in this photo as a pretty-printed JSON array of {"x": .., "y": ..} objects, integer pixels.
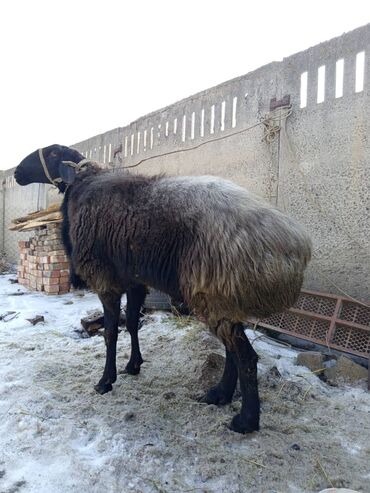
[{"x": 150, "y": 434}]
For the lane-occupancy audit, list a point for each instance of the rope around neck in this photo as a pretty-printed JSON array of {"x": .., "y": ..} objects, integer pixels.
[
  {"x": 54, "y": 181},
  {"x": 72, "y": 164}
]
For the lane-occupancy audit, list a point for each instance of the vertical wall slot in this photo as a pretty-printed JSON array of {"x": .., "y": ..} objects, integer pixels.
[
  {"x": 151, "y": 137},
  {"x": 145, "y": 137},
  {"x": 132, "y": 144},
  {"x": 126, "y": 144},
  {"x": 223, "y": 112},
  {"x": 339, "y": 74},
  {"x": 138, "y": 142},
  {"x": 104, "y": 153},
  {"x": 110, "y": 153},
  {"x": 175, "y": 126},
  {"x": 233, "y": 117},
  {"x": 321, "y": 84},
  {"x": 212, "y": 130},
  {"x": 192, "y": 130},
  {"x": 183, "y": 135},
  {"x": 202, "y": 123}
]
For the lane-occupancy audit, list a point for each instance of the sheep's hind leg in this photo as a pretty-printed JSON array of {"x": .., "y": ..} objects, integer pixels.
[
  {"x": 223, "y": 392},
  {"x": 135, "y": 299},
  {"x": 112, "y": 305},
  {"x": 245, "y": 359}
]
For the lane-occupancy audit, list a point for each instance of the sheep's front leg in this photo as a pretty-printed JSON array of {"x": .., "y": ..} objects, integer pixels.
[
  {"x": 246, "y": 359},
  {"x": 135, "y": 299},
  {"x": 223, "y": 392},
  {"x": 112, "y": 305}
]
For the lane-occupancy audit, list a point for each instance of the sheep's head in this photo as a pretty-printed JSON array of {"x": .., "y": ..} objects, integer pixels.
[{"x": 31, "y": 169}]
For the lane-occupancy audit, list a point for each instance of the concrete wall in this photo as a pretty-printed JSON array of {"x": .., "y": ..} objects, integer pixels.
[
  {"x": 16, "y": 201},
  {"x": 317, "y": 167}
]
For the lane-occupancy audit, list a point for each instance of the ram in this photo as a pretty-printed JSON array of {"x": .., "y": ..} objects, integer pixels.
[{"x": 225, "y": 252}]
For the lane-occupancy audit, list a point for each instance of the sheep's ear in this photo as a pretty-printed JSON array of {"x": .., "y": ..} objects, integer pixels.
[{"x": 67, "y": 173}]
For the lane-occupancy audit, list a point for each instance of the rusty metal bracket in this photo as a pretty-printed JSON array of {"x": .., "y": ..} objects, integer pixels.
[{"x": 278, "y": 103}]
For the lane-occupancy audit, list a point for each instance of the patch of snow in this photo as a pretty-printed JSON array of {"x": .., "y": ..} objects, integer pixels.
[{"x": 150, "y": 434}]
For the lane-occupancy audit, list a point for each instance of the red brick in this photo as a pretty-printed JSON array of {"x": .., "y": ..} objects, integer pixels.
[
  {"x": 55, "y": 236},
  {"x": 64, "y": 286},
  {"x": 23, "y": 244},
  {"x": 57, "y": 253},
  {"x": 57, "y": 265},
  {"x": 51, "y": 273},
  {"x": 58, "y": 258},
  {"x": 54, "y": 289},
  {"x": 49, "y": 281}
]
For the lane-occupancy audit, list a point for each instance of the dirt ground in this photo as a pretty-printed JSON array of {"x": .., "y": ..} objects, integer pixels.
[{"x": 150, "y": 434}]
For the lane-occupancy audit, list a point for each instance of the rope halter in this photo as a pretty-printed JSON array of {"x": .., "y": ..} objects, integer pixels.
[{"x": 56, "y": 181}]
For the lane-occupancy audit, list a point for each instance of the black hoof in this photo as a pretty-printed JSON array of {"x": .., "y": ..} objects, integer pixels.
[
  {"x": 216, "y": 395},
  {"x": 244, "y": 425},
  {"x": 103, "y": 388},
  {"x": 132, "y": 369}
]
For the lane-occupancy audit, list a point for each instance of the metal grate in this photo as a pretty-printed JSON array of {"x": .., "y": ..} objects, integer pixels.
[
  {"x": 333, "y": 321},
  {"x": 316, "y": 304},
  {"x": 353, "y": 312},
  {"x": 356, "y": 340}
]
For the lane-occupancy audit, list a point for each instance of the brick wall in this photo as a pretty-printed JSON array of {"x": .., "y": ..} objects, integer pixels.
[{"x": 43, "y": 264}]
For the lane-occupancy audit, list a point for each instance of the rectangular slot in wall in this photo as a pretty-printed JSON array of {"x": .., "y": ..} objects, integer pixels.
[
  {"x": 192, "y": 129},
  {"x": 126, "y": 145},
  {"x": 212, "y": 129},
  {"x": 138, "y": 142},
  {"x": 202, "y": 123},
  {"x": 360, "y": 71},
  {"x": 175, "y": 126},
  {"x": 223, "y": 112},
  {"x": 303, "y": 91},
  {"x": 132, "y": 144},
  {"x": 233, "y": 117},
  {"x": 183, "y": 135},
  {"x": 339, "y": 73},
  {"x": 321, "y": 84},
  {"x": 145, "y": 137}
]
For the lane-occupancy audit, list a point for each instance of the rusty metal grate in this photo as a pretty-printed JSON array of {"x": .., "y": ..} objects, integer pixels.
[
  {"x": 327, "y": 319},
  {"x": 333, "y": 321}
]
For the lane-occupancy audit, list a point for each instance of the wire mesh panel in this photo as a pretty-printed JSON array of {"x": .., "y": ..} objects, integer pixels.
[{"x": 326, "y": 319}]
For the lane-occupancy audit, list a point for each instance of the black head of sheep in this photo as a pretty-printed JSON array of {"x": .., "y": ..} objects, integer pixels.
[
  {"x": 55, "y": 157},
  {"x": 225, "y": 252}
]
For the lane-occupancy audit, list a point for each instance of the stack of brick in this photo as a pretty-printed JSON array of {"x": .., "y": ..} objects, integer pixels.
[{"x": 43, "y": 264}]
